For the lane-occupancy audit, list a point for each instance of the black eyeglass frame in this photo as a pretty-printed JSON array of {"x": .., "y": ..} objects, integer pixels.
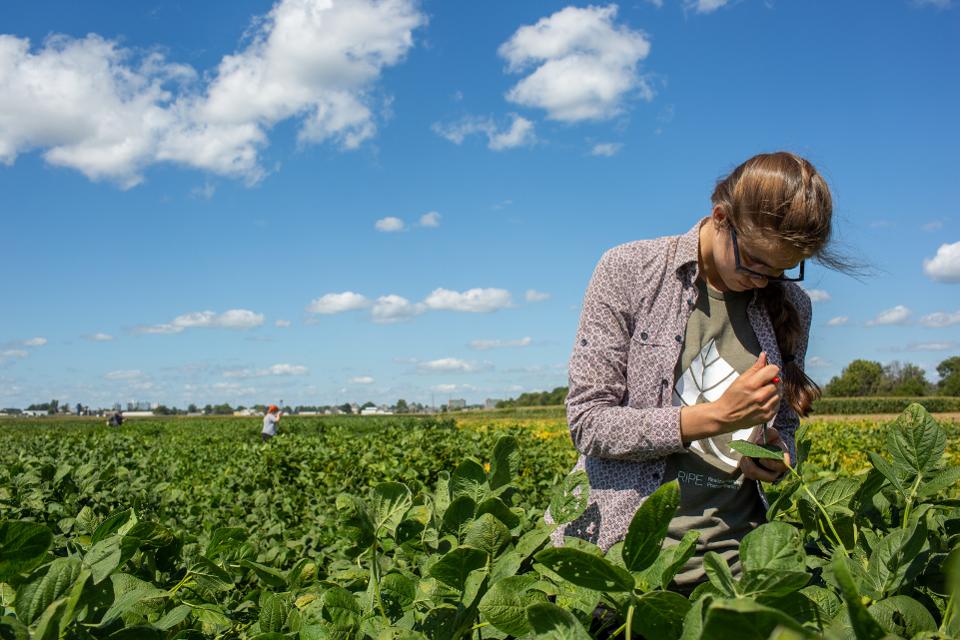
[{"x": 767, "y": 277}]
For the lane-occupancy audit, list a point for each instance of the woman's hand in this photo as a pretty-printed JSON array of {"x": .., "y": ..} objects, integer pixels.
[
  {"x": 753, "y": 398},
  {"x": 768, "y": 470}
]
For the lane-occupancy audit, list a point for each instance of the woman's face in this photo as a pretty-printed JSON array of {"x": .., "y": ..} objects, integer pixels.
[{"x": 756, "y": 253}]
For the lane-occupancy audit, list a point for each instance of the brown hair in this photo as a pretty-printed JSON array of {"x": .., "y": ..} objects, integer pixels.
[{"x": 781, "y": 196}]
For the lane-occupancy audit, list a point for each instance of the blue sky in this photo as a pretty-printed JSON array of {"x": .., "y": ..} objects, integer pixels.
[{"x": 345, "y": 201}]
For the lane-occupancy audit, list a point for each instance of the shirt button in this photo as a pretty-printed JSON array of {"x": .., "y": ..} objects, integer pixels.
[
  {"x": 691, "y": 302},
  {"x": 583, "y": 342},
  {"x": 678, "y": 338},
  {"x": 643, "y": 335}
]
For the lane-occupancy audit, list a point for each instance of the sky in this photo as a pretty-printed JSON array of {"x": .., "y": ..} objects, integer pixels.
[{"x": 328, "y": 201}]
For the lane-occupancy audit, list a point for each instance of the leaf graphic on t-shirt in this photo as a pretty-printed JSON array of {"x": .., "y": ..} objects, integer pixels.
[{"x": 705, "y": 380}]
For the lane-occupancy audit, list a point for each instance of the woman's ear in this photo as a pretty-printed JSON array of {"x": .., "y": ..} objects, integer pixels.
[{"x": 718, "y": 215}]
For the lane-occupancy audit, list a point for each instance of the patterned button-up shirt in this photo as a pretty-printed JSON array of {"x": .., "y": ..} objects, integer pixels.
[{"x": 619, "y": 405}]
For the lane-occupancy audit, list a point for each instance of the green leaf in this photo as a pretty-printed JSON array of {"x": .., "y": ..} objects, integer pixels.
[
  {"x": 45, "y": 587},
  {"x": 458, "y": 515},
  {"x": 649, "y": 527},
  {"x": 355, "y": 522},
  {"x": 273, "y": 612},
  {"x": 586, "y": 570},
  {"x": 756, "y": 451},
  {"x": 441, "y": 496},
  {"x": 505, "y": 462},
  {"x": 896, "y": 558},
  {"x": 48, "y": 626},
  {"x": 340, "y": 610},
  {"x": 210, "y": 576},
  {"x": 173, "y": 617},
  {"x": 224, "y": 540},
  {"x": 773, "y": 546},
  {"x": 903, "y": 616},
  {"x": 397, "y": 592},
  {"x": 23, "y": 545},
  {"x": 505, "y": 604},
  {"x": 112, "y": 524},
  {"x": 488, "y": 534},
  {"x": 887, "y": 470},
  {"x": 743, "y": 619},
  {"x": 570, "y": 498},
  {"x": 13, "y": 629},
  {"x": 772, "y": 582},
  {"x": 916, "y": 442},
  {"x": 659, "y": 615},
  {"x": 865, "y": 627},
  {"x": 440, "y": 622},
  {"x": 944, "y": 479},
  {"x": 128, "y": 591},
  {"x": 718, "y": 572},
  {"x": 550, "y": 622},
  {"x": 390, "y": 501},
  {"x": 268, "y": 575},
  {"x": 106, "y": 556},
  {"x": 454, "y": 566},
  {"x": 469, "y": 479},
  {"x": 499, "y": 508},
  {"x": 672, "y": 559}
]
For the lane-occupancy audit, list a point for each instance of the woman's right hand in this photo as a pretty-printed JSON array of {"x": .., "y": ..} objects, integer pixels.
[{"x": 753, "y": 398}]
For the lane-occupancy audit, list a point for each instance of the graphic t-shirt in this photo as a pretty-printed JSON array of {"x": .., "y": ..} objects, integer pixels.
[{"x": 719, "y": 344}]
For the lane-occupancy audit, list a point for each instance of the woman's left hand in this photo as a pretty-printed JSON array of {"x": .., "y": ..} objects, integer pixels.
[{"x": 769, "y": 470}]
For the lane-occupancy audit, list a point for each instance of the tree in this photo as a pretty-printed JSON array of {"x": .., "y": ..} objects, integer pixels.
[
  {"x": 366, "y": 405},
  {"x": 949, "y": 371},
  {"x": 54, "y": 407},
  {"x": 859, "y": 378},
  {"x": 904, "y": 380},
  {"x": 346, "y": 408},
  {"x": 402, "y": 406},
  {"x": 192, "y": 408}
]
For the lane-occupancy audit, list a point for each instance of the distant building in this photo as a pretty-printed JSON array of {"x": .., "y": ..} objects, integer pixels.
[
  {"x": 490, "y": 403},
  {"x": 246, "y": 412},
  {"x": 140, "y": 406},
  {"x": 455, "y": 404},
  {"x": 34, "y": 412},
  {"x": 376, "y": 411}
]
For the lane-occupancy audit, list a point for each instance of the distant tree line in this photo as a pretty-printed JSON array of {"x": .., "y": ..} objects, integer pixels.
[{"x": 536, "y": 399}]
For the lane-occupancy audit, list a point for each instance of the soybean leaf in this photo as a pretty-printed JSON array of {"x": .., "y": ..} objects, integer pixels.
[
  {"x": 440, "y": 623},
  {"x": 268, "y": 575},
  {"x": 23, "y": 545},
  {"x": 469, "y": 479},
  {"x": 505, "y": 604},
  {"x": 896, "y": 558},
  {"x": 397, "y": 592},
  {"x": 505, "y": 462},
  {"x": 755, "y": 450},
  {"x": 273, "y": 612},
  {"x": 747, "y": 620},
  {"x": 668, "y": 563},
  {"x": 772, "y": 583},
  {"x": 499, "y": 508},
  {"x": 173, "y": 617},
  {"x": 863, "y": 623},
  {"x": 390, "y": 501},
  {"x": 550, "y": 622},
  {"x": 48, "y": 626},
  {"x": 340, "y": 609},
  {"x": 649, "y": 527},
  {"x": 659, "y": 615},
  {"x": 13, "y": 629},
  {"x": 570, "y": 498},
  {"x": 916, "y": 442},
  {"x": 458, "y": 515},
  {"x": 355, "y": 523},
  {"x": 773, "y": 546},
  {"x": 107, "y": 556},
  {"x": 45, "y": 587},
  {"x": 128, "y": 591},
  {"x": 903, "y": 616},
  {"x": 888, "y": 471},
  {"x": 454, "y": 566},
  {"x": 718, "y": 572},
  {"x": 112, "y": 524},
  {"x": 693, "y": 621},
  {"x": 210, "y": 577},
  {"x": 224, "y": 540},
  {"x": 943, "y": 479},
  {"x": 586, "y": 570},
  {"x": 441, "y": 497},
  {"x": 488, "y": 534}
]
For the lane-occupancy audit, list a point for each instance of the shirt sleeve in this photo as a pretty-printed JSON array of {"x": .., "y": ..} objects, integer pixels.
[{"x": 600, "y": 425}]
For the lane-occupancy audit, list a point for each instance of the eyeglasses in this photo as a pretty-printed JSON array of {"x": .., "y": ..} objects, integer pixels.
[{"x": 783, "y": 277}]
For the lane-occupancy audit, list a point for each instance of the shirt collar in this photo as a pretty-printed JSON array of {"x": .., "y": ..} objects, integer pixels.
[{"x": 686, "y": 257}]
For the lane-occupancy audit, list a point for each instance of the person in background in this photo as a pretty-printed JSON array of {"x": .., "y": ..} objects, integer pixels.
[
  {"x": 116, "y": 419},
  {"x": 270, "y": 423}
]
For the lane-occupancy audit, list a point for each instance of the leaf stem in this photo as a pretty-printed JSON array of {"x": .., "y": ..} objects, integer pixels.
[{"x": 822, "y": 510}]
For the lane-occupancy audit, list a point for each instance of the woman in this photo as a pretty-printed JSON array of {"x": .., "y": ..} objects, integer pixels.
[
  {"x": 688, "y": 342},
  {"x": 270, "y": 421}
]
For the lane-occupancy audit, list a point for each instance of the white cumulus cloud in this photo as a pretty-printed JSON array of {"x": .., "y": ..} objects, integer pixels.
[
  {"x": 704, "y": 6},
  {"x": 606, "y": 149},
  {"x": 818, "y": 295},
  {"x": 519, "y": 133},
  {"x": 945, "y": 266},
  {"x": 273, "y": 370},
  {"x": 100, "y": 337},
  {"x": 483, "y": 345},
  {"x": 430, "y": 219},
  {"x": 897, "y": 315},
  {"x": 582, "y": 66},
  {"x": 125, "y": 374},
  {"x": 338, "y": 303},
  {"x": 35, "y": 342},
  {"x": 14, "y": 353},
  {"x": 283, "y": 324},
  {"x": 230, "y": 319},
  {"x": 472, "y": 300},
  {"x": 110, "y": 112},
  {"x": 448, "y": 365},
  {"x": 393, "y": 308},
  {"x": 362, "y": 380},
  {"x": 389, "y": 224},
  {"x": 838, "y": 321},
  {"x": 940, "y": 319},
  {"x": 533, "y": 295}
]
